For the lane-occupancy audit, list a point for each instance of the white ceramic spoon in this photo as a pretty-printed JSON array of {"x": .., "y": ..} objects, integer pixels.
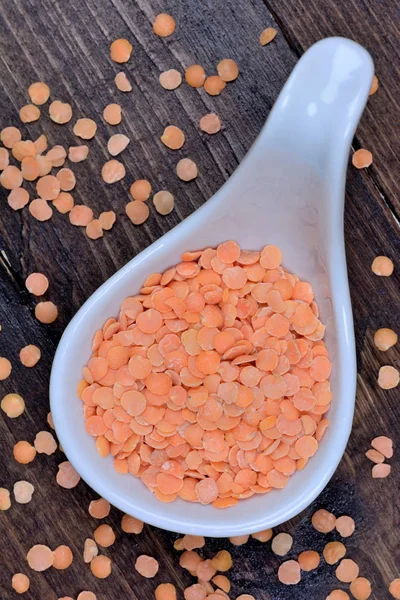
[{"x": 288, "y": 191}]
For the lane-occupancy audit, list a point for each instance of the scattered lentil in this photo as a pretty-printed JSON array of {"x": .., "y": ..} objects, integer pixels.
[
  {"x": 107, "y": 219},
  {"x": 67, "y": 477},
  {"x": 5, "y": 501},
  {"x": 122, "y": 82},
  {"x": 37, "y": 284},
  {"x": 80, "y": 215},
  {"x": 45, "y": 443},
  {"x": 165, "y": 591},
  {"x": 60, "y": 112},
  {"x": 39, "y": 92},
  {"x": 40, "y": 557},
  {"x": 46, "y": 312},
  {"x": 164, "y": 25},
  {"x": 121, "y": 50},
  {"x": 173, "y": 137},
  {"x": 170, "y": 80},
  {"x": 239, "y": 540},
  {"x": 394, "y": 588},
  {"x": 101, "y": 566},
  {"x": 138, "y": 212},
  {"x": 23, "y": 491},
  {"x": 323, "y": 521},
  {"x": 374, "y": 85},
  {"x": 78, "y": 153},
  {"x": 289, "y": 572},
  {"x": 147, "y": 566},
  {"x": 64, "y": 202},
  {"x": 140, "y": 190},
  {"x": 40, "y": 210},
  {"x": 345, "y": 526},
  {"x": 382, "y": 266},
  {"x": 99, "y": 509},
  {"x": 113, "y": 171},
  {"x": 20, "y": 583},
  {"x": 130, "y": 524},
  {"x": 214, "y": 85},
  {"x": 388, "y": 377},
  {"x": 63, "y": 557},
  {"x": 24, "y": 452},
  {"x": 195, "y": 76},
  {"x": 385, "y": 338},
  {"x": 210, "y": 123},
  {"x": 384, "y": 445},
  {"x": 90, "y": 550},
  {"x": 362, "y": 158},
  {"x": 29, "y": 113},
  {"x": 85, "y": 129},
  {"x": 263, "y": 536},
  {"x": 361, "y": 588},
  {"x": 338, "y": 595},
  {"x": 164, "y": 202},
  {"x": 381, "y": 471},
  {"x": 112, "y": 114},
  {"x": 186, "y": 169},
  {"x": 228, "y": 70},
  {"x": 12, "y": 404},
  {"x": 333, "y": 552},
  {"x": 267, "y": 36},
  {"x": 281, "y": 544},
  {"x": 10, "y": 136},
  {"x": 104, "y": 535},
  {"x": 347, "y": 571},
  {"x": 308, "y": 560}
]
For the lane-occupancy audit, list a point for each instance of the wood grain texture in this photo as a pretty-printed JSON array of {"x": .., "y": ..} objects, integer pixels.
[{"x": 66, "y": 44}]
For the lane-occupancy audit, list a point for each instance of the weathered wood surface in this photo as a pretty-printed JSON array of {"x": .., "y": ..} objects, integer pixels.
[{"x": 66, "y": 44}]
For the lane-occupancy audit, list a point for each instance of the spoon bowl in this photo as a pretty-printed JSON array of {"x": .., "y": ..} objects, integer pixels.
[{"x": 288, "y": 191}]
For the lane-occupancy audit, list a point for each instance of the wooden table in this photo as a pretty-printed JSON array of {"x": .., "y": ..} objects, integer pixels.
[{"x": 66, "y": 44}]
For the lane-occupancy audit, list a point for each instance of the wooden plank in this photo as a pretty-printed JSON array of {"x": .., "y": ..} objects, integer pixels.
[{"x": 66, "y": 44}]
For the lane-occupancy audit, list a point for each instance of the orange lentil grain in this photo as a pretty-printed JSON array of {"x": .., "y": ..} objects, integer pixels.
[
  {"x": 131, "y": 524},
  {"x": 67, "y": 179},
  {"x": 20, "y": 583},
  {"x": 120, "y": 50},
  {"x": 263, "y": 536},
  {"x": 46, "y": 312},
  {"x": 29, "y": 113},
  {"x": 117, "y": 143},
  {"x": 147, "y": 566},
  {"x": 382, "y": 266},
  {"x": 164, "y": 25},
  {"x": 11, "y": 177},
  {"x": 171, "y": 79},
  {"x": 345, "y": 526},
  {"x": 112, "y": 114},
  {"x": 361, "y": 588},
  {"x": 101, "y": 566},
  {"x": 60, "y": 112},
  {"x": 63, "y": 557},
  {"x": 164, "y": 202},
  {"x": 210, "y": 123},
  {"x": 85, "y": 129},
  {"x": 388, "y": 377},
  {"x": 338, "y": 595},
  {"x": 94, "y": 230},
  {"x": 289, "y": 572},
  {"x": 30, "y": 168},
  {"x": 4, "y": 158},
  {"x": 40, "y": 210},
  {"x": 138, "y": 212},
  {"x": 186, "y": 169},
  {"x": 362, "y": 158},
  {"x": 173, "y": 137},
  {"x": 45, "y": 443},
  {"x": 67, "y": 477},
  {"x": 107, "y": 219},
  {"x": 122, "y": 82},
  {"x": 99, "y": 509},
  {"x": 333, "y": 552},
  {"x": 385, "y": 338},
  {"x": 113, "y": 171},
  {"x": 37, "y": 284},
  {"x": 5, "y": 501},
  {"x": 267, "y": 36},
  {"x": 10, "y": 136},
  {"x": 347, "y": 571},
  {"x": 56, "y": 156},
  {"x": 5, "y": 368},
  {"x": 381, "y": 471},
  {"x": 29, "y": 355},
  {"x": 374, "y": 85},
  {"x": 90, "y": 550},
  {"x": 214, "y": 85},
  {"x": 140, "y": 190},
  {"x": 24, "y": 452},
  {"x": 281, "y": 544},
  {"x": 41, "y": 144},
  {"x": 39, "y": 92},
  {"x": 195, "y": 76},
  {"x": 227, "y": 69},
  {"x": 23, "y": 491},
  {"x": 85, "y": 595},
  {"x": 78, "y": 153},
  {"x": 394, "y": 588},
  {"x": 80, "y": 215},
  {"x": 308, "y": 560},
  {"x": 12, "y": 405},
  {"x": 165, "y": 591},
  {"x": 323, "y": 521},
  {"x": 384, "y": 445},
  {"x": 48, "y": 187},
  {"x": 40, "y": 557},
  {"x": 104, "y": 535},
  {"x": 64, "y": 202}
]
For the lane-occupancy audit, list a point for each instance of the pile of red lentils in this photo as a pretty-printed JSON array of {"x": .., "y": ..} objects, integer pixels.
[{"x": 177, "y": 362}]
